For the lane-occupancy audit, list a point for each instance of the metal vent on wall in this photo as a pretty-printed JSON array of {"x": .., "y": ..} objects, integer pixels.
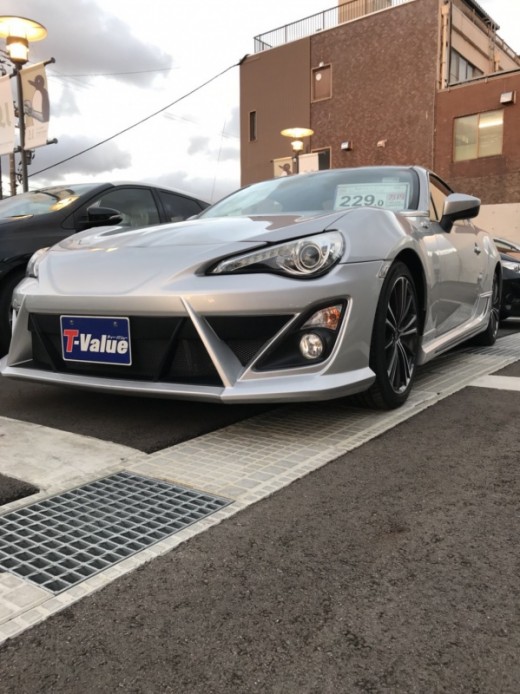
[{"x": 61, "y": 541}]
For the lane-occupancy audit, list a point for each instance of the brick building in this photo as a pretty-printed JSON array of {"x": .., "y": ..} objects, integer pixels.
[{"x": 426, "y": 82}]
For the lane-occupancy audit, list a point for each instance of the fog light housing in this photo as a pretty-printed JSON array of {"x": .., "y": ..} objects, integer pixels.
[
  {"x": 329, "y": 317},
  {"x": 311, "y": 346}
]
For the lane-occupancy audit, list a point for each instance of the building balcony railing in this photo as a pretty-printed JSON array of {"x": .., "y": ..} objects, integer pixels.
[{"x": 328, "y": 19}]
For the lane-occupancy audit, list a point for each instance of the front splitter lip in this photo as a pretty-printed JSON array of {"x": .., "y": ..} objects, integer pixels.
[{"x": 285, "y": 389}]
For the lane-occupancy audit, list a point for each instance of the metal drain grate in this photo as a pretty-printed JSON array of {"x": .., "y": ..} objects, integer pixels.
[{"x": 63, "y": 540}]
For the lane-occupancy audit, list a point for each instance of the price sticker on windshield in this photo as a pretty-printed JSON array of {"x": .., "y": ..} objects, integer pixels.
[{"x": 389, "y": 196}]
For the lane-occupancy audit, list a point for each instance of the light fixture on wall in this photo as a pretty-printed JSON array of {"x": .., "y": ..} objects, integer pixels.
[
  {"x": 346, "y": 146},
  {"x": 508, "y": 97},
  {"x": 381, "y": 143}
]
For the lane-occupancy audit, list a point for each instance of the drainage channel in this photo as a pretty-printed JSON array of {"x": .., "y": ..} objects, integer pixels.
[{"x": 63, "y": 540}]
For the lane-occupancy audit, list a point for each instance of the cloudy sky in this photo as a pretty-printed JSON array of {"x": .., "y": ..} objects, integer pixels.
[{"x": 119, "y": 62}]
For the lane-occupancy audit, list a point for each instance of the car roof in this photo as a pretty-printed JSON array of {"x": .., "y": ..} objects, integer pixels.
[{"x": 112, "y": 184}]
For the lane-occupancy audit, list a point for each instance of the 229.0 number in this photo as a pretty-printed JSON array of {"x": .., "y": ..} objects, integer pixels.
[{"x": 360, "y": 201}]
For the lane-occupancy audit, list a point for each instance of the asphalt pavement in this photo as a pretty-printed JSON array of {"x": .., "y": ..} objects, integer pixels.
[
  {"x": 146, "y": 424},
  {"x": 393, "y": 568}
]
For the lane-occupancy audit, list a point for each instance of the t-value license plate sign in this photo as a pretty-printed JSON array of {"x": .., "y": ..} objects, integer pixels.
[{"x": 97, "y": 340}]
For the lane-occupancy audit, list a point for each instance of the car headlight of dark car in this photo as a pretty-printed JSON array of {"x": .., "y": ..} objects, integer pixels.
[{"x": 307, "y": 257}]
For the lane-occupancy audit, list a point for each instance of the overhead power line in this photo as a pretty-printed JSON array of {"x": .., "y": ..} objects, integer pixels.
[
  {"x": 143, "y": 120},
  {"x": 116, "y": 74}
]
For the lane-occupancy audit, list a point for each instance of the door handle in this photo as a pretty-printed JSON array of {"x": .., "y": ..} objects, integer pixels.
[{"x": 477, "y": 249}]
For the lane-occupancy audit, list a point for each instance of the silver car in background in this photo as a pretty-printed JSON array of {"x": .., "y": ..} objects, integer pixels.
[{"x": 307, "y": 287}]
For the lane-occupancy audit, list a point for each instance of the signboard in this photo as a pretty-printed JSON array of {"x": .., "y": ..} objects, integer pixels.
[
  {"x": 283, "y": 166},
  {"x": 36, "y": 105},
  {"x": 392, "y": 195},
  {"x": 308, "y": 162},
  {"x": 7, "y": 131}
]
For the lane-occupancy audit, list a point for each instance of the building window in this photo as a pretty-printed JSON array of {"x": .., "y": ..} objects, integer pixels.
[
  {"x": 461, "y": 69},
  {"x": 323, "y": 158},
  {"x": 321, "y": 83},
  {"x": 252, "y": 126},
  {"x": 478, "y": 136}
]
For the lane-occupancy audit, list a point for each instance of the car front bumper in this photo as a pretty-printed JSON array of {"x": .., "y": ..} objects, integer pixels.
[{"x": 212, "y": 363}]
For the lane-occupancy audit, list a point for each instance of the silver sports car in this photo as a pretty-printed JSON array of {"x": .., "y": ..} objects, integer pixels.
[{"x": 308, "y": 287}]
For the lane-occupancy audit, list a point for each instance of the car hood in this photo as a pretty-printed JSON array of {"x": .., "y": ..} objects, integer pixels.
[
  {"x": 204, "y": 232},
  {"x": 114, "y": 259}
]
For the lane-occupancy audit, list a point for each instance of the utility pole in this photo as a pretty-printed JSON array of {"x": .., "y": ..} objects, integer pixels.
[{"x": 12, "y": 173}]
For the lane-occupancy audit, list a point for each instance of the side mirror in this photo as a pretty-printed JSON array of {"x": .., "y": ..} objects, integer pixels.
[
  {"x": 458, "y": 206},
  {"x": 100, "y": 217}
]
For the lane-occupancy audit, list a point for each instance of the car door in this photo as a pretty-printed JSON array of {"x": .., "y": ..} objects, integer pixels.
[{"x": 459, "y": 266}]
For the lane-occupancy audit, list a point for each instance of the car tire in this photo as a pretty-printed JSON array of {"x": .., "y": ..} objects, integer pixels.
[
  {"x": 489, "y": 336},
  {"x": 395, "y": 340},
  {"x": 6, "y": 294}
]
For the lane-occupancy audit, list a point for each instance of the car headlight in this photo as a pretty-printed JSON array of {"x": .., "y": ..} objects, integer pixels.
[
  {"x": 307, "y": 257},
  {"x": 34, "y": 262},
  {"x": 509, "y": 265}
]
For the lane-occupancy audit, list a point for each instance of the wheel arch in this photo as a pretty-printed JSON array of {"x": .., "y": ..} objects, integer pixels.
[
  {"x": 13, "y": 267},
  {"x": 7, "y": 284},
  {"x": 414, "y": 265}
]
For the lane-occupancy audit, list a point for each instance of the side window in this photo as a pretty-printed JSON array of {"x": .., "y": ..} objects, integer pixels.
[
  {"x": 322, "y": 83},
  {"x": 252, "y": 126},
  {"x": 461, "y": 69},
  {"x": 438, "y": 194},
  {"x": 480, "y": 135},
  {"x": 137, "y": 206},
  {"x": 178, "y": 207}
]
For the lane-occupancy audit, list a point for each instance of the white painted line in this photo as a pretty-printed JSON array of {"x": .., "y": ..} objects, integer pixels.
[
  {"x": 49, "y": 458},
  {"x": 498, "y": 382}
]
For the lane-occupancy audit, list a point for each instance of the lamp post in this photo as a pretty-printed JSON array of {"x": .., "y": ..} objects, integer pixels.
[
  {"x": 18, "y": 31},
  {"x": 296, "y": 135}
]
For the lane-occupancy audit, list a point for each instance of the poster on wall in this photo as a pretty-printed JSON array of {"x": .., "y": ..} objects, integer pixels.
[
  {"x": 308, "y": 162},
  {"x": 283, "y": 166}
]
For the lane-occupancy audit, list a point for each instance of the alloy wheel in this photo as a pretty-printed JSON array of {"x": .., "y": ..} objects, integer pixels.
[{"x": 401, "y": 334}]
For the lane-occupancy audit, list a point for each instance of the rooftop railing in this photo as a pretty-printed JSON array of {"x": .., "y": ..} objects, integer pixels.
[{"x": 328, "y": 19}]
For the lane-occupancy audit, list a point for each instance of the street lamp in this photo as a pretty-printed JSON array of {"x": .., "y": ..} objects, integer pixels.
[
  {"x": 296, "y": 135},
  {"x": 18, "y": 31}
]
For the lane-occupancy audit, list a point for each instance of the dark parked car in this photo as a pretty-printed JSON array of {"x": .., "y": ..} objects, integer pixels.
[
  {"x": 510, "y": 259},
  {"x": 44, "y": 217}
]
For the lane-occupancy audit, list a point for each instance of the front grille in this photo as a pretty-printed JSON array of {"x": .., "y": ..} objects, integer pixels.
[
  {"x": 163, "y": 349},
  {"x": 246, "y": 335}
]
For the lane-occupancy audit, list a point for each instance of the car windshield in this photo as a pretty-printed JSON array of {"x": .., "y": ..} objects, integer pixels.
[
  {"x": 312, "y": 193},
  {"x": 42, "y": 201}
]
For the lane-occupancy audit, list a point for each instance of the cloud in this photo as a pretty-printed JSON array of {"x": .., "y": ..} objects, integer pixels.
[
  {"x": 233, "y": 124},
  {"x": 229, "y": 153},
  {"x": 87, "y": 41},
  {"x": 101, "y": 160},
  {"x": 198, "y": 144},
  {"x": 66, "y": 104}
]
